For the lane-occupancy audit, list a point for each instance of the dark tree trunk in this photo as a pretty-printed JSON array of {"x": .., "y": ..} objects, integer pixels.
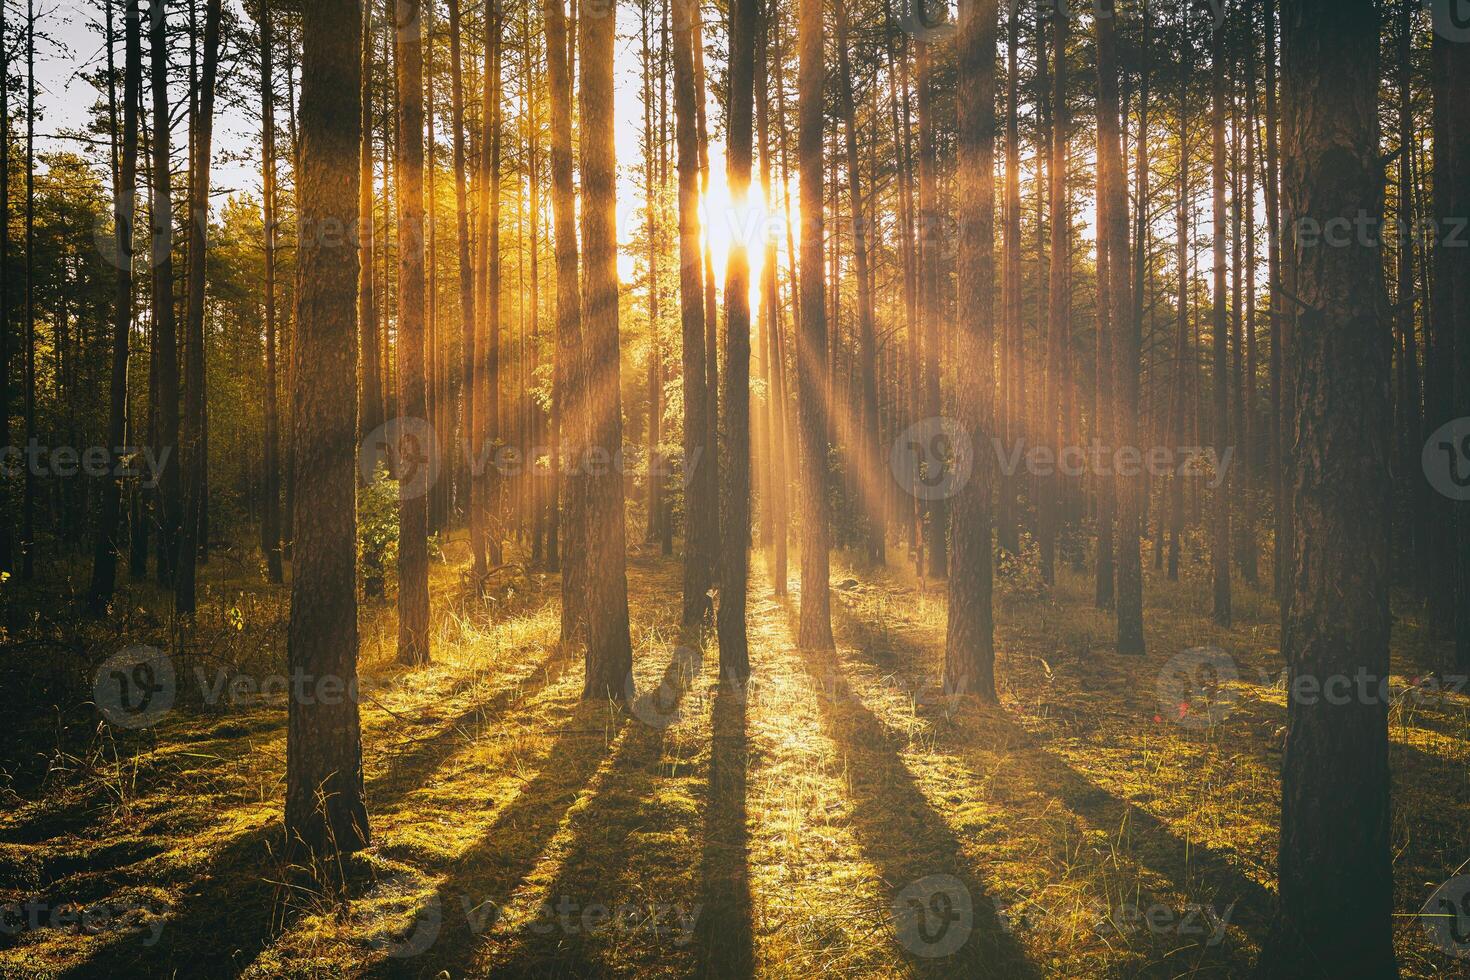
[
  {"x": 699, "y": 503},
  {"x": 1220, "y": 518},
  {"x": 969, "y": 650},
  {"x": 814, "y": 629},
  {"x": 195, "y": 454},
  {"x": 370, "y": 390},
  {"x": 1112, "y": 186},
  {"x": 104, "y": 565},
  {"x": 414, "y": 479},
  {"x": 867, "y": 443},
  {"x": 931, "y": 311},
  {"x": 1058, "y": 304},
  {"x": 324, "y": 802},
  {"x": 735, "y": 520},
  {"x": 609, "y": 647},
  {"x": 570, "y": 370},
  {"x": 1335, "y": 864},
  {"x": 271, "y": 517},
  {"x": 165, "y": 337}
]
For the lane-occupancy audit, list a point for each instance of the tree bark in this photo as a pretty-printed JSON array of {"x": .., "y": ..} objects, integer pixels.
[
  {"x": 165, "y": 337},
  {"x": 1220, "y": 517},
  {"x": 324, "y": 801},
  {"x": 570, "y": 371},
  {"x": 969, "y": 650},
  {"x": 104, "y": 565},
  {"x": 699, "y": 502},
  {"x": 195, "y": 456},
  {"x": 814, "y": 630},
  {"x": 1335, "y": 864},
  {"x": 271, "y": 517},
  {"x": 609, "y": 647},
  {"x": 735, "y": 519},
  {"x": 413, "y": 516}
]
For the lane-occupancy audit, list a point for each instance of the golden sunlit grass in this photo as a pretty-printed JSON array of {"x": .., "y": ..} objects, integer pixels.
[{"x": 520, "y": 831}]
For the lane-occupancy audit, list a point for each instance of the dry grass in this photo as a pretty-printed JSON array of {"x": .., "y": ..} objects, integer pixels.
[{"x": 772, "y": 830}]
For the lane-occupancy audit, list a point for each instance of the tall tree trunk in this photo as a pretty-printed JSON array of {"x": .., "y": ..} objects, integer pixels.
[
  {"x": 1012, "y": 335},
  {"x": 1457, "y": 267},
  {"x": 776, "y": 393},
  {"x": 969, "y": 649},
  {"x": 165, "y": 337},
  {"x": 735, "y": 519},
  {"x": 700, "y": 502},
  {"x": 484, "y": 493},
  {"x": 1247, "y": 546},
  {"x": 467, "y": 319},
  {"x": 370, "y": 390},
  {"x": 609, "y": 647},
  {"x": 1058, "y": 304},
  {"x": 104, "y": 564},
  {"x": 654, "y": 435},
  {"x": 1220, "y": 519},
  {"x": 415, "y": 475},
  {"x": 867, "y": 442},
  {"x": 1439, "y": 380},
  {"x": 195, "y": 455},
  {"x": 1278, "y": 312},
  {"x": 1182, "y": 353},
  {"x": 1112, "y": 182},
  {"x": 271, "y": 518},
  {"x": 1335, "y": 864},
  {"x": 814, "y": 629},
  {"x": 324, "y": 801},
  {"x": 570, "y": 369},
  {"x": 7, "y": 517},
  {"x": 1105, "y": 426},
  {"x": 930, "y": 307}
]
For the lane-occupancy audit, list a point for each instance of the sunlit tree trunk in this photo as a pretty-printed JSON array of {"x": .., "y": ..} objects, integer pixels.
[
  {"x": 930, "y": 307},
  {"x": 413, "y": 516},
  {"x": 699, "y": 502},
  {"x": 776, "y": 395},
  {"x": 969, "y": 651},
  {"x": 165, "y": 337},
  {"x": 1335, "y": 866},
  {"x": 609, "y": 648},
  {"x": 570, "y": 371},
  {"x": 324, "y": 802},
  {"x": 815, "y": 623}
]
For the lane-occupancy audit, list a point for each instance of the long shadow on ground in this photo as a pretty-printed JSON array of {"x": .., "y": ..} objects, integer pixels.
[
  {"x": 927, "y": 879},
  {"x": 1154, "y": 845},
  {"x": 627, "y": 817}
]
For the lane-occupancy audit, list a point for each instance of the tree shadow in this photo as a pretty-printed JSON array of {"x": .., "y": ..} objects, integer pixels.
[
  {"x": 626, "y": 817},
  {"x": 726, "y": 935},
  {"x": 483, "y": 878},
  {"x": 1152, "y": 843},
  {"x": 219, "y": 930},
  {"x": 929, "y": 882},
  {"x": 406, "y": 770}
]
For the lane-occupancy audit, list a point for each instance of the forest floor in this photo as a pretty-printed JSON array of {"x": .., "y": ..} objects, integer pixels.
[{"x": 837, "y": 816}]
